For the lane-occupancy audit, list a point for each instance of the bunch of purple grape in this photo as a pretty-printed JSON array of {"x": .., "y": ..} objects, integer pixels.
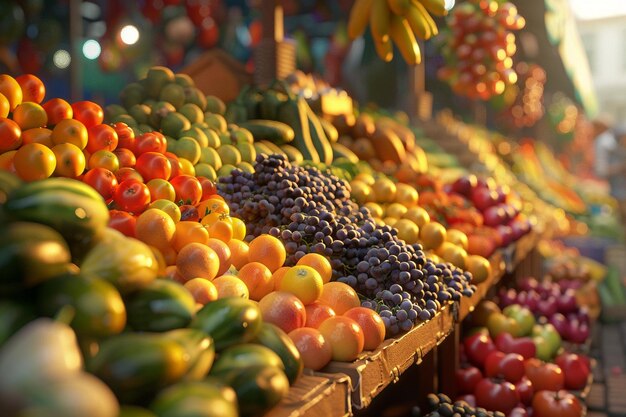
[{"x": 311, "y": 211}]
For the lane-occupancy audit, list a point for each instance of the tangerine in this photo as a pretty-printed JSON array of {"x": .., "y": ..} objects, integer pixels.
[
  {"x": 345, "y": 337},
  {"x": 257, "y": 278},
  {"x": 268, "y": 250},
  {"x": 197, "y": 260},
  {"x": 238, "y": 253},
  {"x": 372, "y": 325},
  {"x": 230, "y": 286},
  {"x": 315, "y": 351},
  {"x": 223, "y": 253},
  {"x": 29, "y": 115},
  {"x": 155, "y": 227},
  {"x": 304, "y": 282},
  {"x": 278, "y": 275},
  {"x": 189, "y": 231},
  {"x": 202, "y": 290},
  {"x": 38, "y": 135},
  {"x": 339, "y": 296},
  {"x": 316, "y": 313},
  {"x": 432, "y": 235},
  {"x": 283, "y": 309},
  {"x": 34, "y": 162},
  {"x": 318, "y": 262}
]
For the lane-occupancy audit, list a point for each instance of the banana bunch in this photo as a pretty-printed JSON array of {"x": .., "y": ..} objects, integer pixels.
[{"x": 397, "y": 21}]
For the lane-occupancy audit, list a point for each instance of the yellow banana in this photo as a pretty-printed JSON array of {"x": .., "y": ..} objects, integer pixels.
[
  {"x": 399, "y": 7},
  {"x": 380, "y": 18},
  {"x": 427, "y": 17},
  {"x": 359, "y": 17},
  {"x": 384, "y": 49},
  {"x": 436, "y": 7},
  {"x": 418, "y": 24},
  {"x": 404, "y": 39}
]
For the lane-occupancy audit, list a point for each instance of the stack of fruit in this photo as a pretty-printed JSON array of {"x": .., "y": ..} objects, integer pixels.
[
  {"x": 479, "y": 47},
  {"x": 506, "y": 366}
]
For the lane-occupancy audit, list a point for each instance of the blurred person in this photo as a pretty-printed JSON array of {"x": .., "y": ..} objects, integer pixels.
[
  {"x": 604, "y": 144},
  {"x": 617, "y": 170}
]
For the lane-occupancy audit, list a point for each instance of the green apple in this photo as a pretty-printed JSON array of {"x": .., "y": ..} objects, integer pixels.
[
  {"x": 550, "y": 334},
  {"x": 543, "y": 348},
  {"x": 523, "y": 316},
  {"x": 499, "y": 323}
]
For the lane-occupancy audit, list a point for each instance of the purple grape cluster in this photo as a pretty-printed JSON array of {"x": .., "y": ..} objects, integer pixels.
[
  {"x": 441, "y": 405},
  {"x": 311, "y": 211}
]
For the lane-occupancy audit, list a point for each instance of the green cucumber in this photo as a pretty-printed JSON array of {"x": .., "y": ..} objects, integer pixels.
[
  {"x": 318, "y": 137},
  {"x": 341, "y": 151},
  {"x": 259, "y": 389},
  {"x": 160, "y": 306},
  {"x": 71, "y": 207},
  {"x": 330, "y": 130},
  {"x": 294, "y": 113},
  {"x": 293, "y": 154},
  {"x": 276, "y": 132},
  {"x": 278, "y": 341},
  {"x": 208, "y": 398},
  {"x": 229, "y": 321}
]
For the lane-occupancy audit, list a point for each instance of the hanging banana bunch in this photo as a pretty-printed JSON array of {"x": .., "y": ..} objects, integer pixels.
[{"x": 399, "y": 22}]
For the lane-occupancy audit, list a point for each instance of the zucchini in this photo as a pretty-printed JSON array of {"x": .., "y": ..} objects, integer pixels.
[{"x": 276, "y": 132}]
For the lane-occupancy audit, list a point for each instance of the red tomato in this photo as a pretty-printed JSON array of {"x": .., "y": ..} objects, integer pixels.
[
  {"x": 88, "y": 112},
  {"x": 126, "y": 157},
  {"x": 101, "y": 137},
  {"x": 57, "y": 109},
  {"x": 208, "y": 187},
  {"x": 467, "y": 378},
  {"x": 188, "y": 189},
  {"x": 32, "y": 87},
  {"x": 556, "y": 403},
  {"x": 525, "y": 390},
  {"x": 509, "y": 366},
  {"x": 125, "y": 136},
  {"x": 544, "y": 376},
  {"x": 496, "y": 395},
  {"x": 177, "y": 167},
  {"x": 103, "y": 180},
  {"x": 150, "y": 142},
  {"x": 153, "y": 165},
  {"x": 575, "y": 370},
  {"x": 10, "y": 135},
  {"x": 477, "y": 347},
  {"x": 132, "y": 196},
  {"x": 128, "y": 173},
  {"x": 123, "y": 222}
]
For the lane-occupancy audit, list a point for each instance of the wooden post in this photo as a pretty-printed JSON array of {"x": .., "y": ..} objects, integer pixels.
[
  {"x": 420, "y": 101},
  {"x": 274, "y": 57},
  {"x": 76, "y": 37},
  {"x": 449, "y": 362}
]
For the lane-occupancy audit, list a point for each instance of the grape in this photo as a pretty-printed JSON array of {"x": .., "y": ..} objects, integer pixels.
[{"x": 310, "y": 211}]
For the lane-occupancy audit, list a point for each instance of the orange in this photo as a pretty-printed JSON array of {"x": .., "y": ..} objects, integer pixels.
[
  {"x": 196, "y": 260},
  {"x": 70, "y": 160},
  {"x": 407, "y": 231},
  {"x": 457, "y": 237},
  {"x": 212, "y": 205},
  {"x": 366, "y": 178},
  {"x": 238, "y": 253},
  {"x": 6, "y": 161},
  {"x": 268, "y": 250},
  {"x": 10, "y": 135},
  {"x": 29, "y": 115},
  {"x": 155, "y": 227},
  {"x": 339, "y": 296},
  {"x": 345, "y": 337},
  {"x": 187, "y": 232},
  {"x": 169, "y": 254},
  {"x": 33, "y": 89},
  {"x": 11, "y": 90},
  {"x": 70, "y": 131},
  {"x": 104, "y": 159},
  {"x": 239, "y": 228},
  {"x": 375, "y": 209},
  {"x": 283, "y": 309},
  {"x": 372, "y": 325},
  {"x": 231, "y": 286},
  {"x": 223, "y": 253},
  {"x": 38, "y": 135},
  {"x": 304, "y": 282},
  {"x": 203, "y": 290},
  {"x": 315, "y": 351},
  {"x": 5, "y": 106},
  {"x": 161, "y": 189},
  {"x": 384, "y": 189},
  {"x": 257, "y": 278},
  {"x": 316, "y": 313},
  {"x": 222, "y": 230},
  {"x": 360, "y": 192},
  {"x": 169, "y": 207},
  {"x": 318, "y": 262},
  {"x": 395, "y": 210},
  {"x": 406, "y": 195},
  {"x": 171, "y": 272},
  {"x": 452, "y": 253},
  {"x": 417, "y": 215},
  {"x": 432, "y": 235},
  {"x": 479, "y": 267},
  {"x": 278, "y": 275},
  {"x": 34, "y": 162}
]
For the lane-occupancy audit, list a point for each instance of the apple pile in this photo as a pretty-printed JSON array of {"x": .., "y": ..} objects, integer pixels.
[
  {"x": 513, "y": 364},
  {"x": 553, "y": 302},
  {"x": 479, "y": 48}
]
